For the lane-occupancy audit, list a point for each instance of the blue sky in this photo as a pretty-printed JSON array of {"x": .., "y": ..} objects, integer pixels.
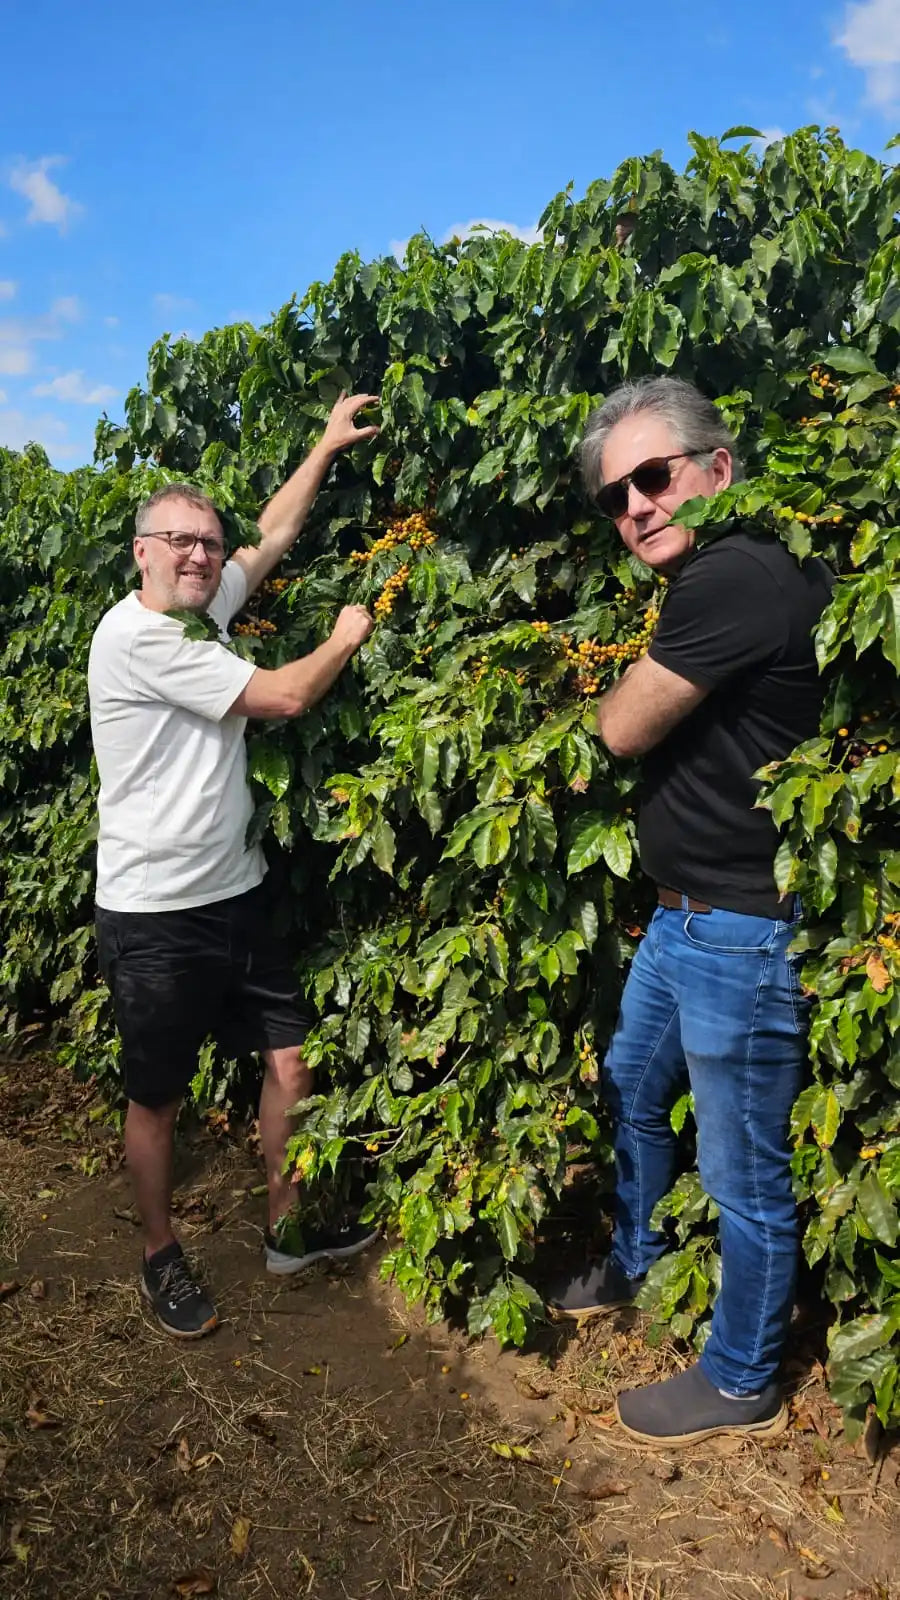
[{"x": 176, "y": 166}]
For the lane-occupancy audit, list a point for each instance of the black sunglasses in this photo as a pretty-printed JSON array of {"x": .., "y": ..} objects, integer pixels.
[{"x": 650, "y": 477}]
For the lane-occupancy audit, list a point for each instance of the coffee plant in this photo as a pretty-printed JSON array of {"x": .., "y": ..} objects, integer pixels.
[{"x": 454, "y": 849}]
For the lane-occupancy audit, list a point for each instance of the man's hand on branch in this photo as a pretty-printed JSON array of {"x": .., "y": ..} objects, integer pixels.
[
  {"x": 353, "y": 626},
  {"x": 341, "y": 432}
]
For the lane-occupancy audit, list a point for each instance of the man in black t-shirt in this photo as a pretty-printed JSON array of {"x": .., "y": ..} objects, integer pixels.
[{"x": 729, "y": 683}]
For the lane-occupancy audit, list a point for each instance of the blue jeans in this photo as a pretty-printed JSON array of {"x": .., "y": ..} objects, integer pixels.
[{"x": 714, "y": 998}]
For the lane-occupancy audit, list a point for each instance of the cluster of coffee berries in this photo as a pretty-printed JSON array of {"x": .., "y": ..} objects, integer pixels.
[
  {"x": 894, "y": 396},
  {"x": 889, "y": 941},
  {"x": 387, "y": 599},
  {"x": 857, "y": 749},
  {"x": 821, "y": 378},
  {"x": 256, "y": 628},
  {"x": 541, "y": 627},
  {"x": 482, "y": 665},
  {"x": 276, "y": 585},
  {"x": 588, "y": 1069},
  {"x": 822, "y": 519},
  {"x": 415, "y": 529},
  {"x": 588, "y": 658}
]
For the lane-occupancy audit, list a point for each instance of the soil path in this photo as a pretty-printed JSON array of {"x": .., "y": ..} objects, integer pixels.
[{"x": 326, "y": 1442}]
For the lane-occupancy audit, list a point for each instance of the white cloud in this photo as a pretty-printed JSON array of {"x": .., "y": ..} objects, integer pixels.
[
  {"x": 476, "y": 225},
  {"x": 47, "y": 201},
  {"x": 71, "y": 387},
  {"x": 67, "y": 308},
  {"x": 19, "y": 334},
  {"x": 768, "y": 136},
  {"x": 15, "y": 360},
  {"x": 7, "y": 289},
  {"x": 111, "y": 322},
  {"x": 18, "y": 428},
  {"x": 3, "y": 397},
  {"x": 870, "y": 38},
  {"x": 167, "y": 303},
  {"x": 461, "y": 230}
]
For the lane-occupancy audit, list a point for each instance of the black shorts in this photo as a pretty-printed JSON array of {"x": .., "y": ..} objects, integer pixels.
[{"x": 178, "y": 977}]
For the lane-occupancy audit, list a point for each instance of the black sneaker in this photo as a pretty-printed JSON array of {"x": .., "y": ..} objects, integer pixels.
[
  {"x": 180, "y": 1305},
  {"x": 689, "y": 1408},
  {"x": 598, "y": 1288},
  {"x": 290, "y": 1249}
]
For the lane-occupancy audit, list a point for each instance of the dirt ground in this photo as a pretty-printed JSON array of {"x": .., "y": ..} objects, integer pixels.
[{"x": 326, "y": 1442}]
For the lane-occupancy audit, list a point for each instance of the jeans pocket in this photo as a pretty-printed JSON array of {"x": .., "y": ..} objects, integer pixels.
[
  {"x": 727, "y": 933},
  {"x": 801, "y": 1002}
]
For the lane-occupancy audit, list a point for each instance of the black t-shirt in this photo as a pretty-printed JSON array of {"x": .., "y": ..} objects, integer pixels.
[{"x": 738, "y": 621}]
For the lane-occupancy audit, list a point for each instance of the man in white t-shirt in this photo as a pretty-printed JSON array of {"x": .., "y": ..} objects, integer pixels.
[{"x": 183, "y": 930}]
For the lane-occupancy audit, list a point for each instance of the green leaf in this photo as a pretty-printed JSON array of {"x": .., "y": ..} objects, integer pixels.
[
  {"x": 877, "y": 1209},
  {"x": 617, "y": 850},
  {"x": 507, "y": 1232},
  {"x": 384, "y": 845},
  {"x": 357, "y": 1036},
  {"x": 271, "y": 767},
  {"x": 486, "y": 470},
  {"x": 587, "y": 840}
]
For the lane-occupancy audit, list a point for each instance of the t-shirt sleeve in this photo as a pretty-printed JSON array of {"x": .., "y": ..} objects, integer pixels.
[
  {"x": 725, "y": 615},
  {"x": 197, "y": 674},
  {"x": 230, "y": 595}
]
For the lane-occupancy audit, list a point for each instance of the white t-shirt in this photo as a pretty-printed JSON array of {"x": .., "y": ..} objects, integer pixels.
[{"x": 174, "y": 799}]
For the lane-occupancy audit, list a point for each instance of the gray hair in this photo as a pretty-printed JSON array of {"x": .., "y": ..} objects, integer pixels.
[
  {"x": 172, "y": 491},
  {"x": 695, "y": 422}
]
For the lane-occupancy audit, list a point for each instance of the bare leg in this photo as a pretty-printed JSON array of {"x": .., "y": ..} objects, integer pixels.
[
  {"x": 149, "y": 1136},
  {"x": 287, "y": 1080}
]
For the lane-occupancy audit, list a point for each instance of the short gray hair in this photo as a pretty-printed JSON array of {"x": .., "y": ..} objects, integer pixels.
[
  {"x": 172, "y": 491},
  {"x": 696, "y": 424}
]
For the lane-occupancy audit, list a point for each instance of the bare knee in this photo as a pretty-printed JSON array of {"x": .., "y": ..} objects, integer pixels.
[
  {"x": 287, "y": 1070},
  {"x": 152, "y": 1117}
]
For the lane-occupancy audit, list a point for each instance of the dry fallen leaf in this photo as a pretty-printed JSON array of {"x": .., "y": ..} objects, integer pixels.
[
  {"x": 37, "y": 1417},
  {"x": 201, "y": 1581},
  {"x": 877, "y": 973},
  {"x": 603, "y": 1421},
  {"x": 534, "y": 1385},
  {"x": 240, "y": 1536},
  {"x": 363, "y": 1516},
  {"x": 813, "y": 1565},
  {"x": 9, "y": 1287},
  {"x": 778, "y": 1538},
  {"x": 605, "y": 1491},
  {"x": 38, "y": 1289},
  {"x": 183, "y": 1455},
  {"x": 571, "y": 1427}
]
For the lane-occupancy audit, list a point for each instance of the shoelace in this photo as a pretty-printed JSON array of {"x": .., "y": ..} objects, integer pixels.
[{"x": 175, "y": 1281}]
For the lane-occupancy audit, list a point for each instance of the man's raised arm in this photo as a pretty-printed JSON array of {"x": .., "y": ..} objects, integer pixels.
[
  {"x": 290, "y": 690},
  {"x": 285, "y": 514}
]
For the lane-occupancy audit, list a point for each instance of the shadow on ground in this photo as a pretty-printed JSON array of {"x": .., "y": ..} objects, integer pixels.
[{"x": 326, "y": 1442}]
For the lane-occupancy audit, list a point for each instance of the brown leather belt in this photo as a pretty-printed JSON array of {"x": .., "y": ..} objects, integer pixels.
[{"x": 673, "y": 901}]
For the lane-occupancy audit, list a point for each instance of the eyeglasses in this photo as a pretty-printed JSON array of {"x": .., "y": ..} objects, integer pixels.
[
  {"x": 183, "y": 543},
  {"x": 650, "y": 477}
]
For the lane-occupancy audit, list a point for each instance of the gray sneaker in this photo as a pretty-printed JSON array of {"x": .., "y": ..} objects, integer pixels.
[
  {"x": 289, "y": 1250},
  {"x": 597, "y": 1289},
  {"x": 685, "y": 1409}
]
